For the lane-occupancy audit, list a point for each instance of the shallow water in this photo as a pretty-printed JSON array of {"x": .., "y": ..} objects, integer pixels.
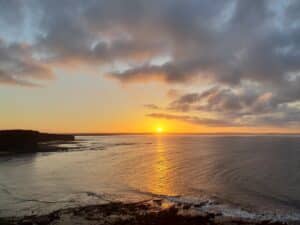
[{"x": 256, "y": 172}]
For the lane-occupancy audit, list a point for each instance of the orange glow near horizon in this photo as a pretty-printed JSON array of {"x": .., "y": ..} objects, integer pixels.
[{"x": 132, "y": 125}]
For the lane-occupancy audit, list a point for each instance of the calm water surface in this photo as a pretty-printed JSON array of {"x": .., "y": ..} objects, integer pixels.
[{"x": 259, "y": 172}]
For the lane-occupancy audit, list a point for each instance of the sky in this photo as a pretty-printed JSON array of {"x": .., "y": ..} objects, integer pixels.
[{"x": 139, "y": 65}]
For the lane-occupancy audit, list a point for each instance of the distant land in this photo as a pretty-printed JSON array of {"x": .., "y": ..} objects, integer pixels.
[{"x": 24, "y": 141}]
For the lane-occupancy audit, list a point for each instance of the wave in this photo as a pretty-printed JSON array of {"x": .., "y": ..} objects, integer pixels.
[
  {"x": 186, "y": 205},
  {"x": 205, "y": 204}
]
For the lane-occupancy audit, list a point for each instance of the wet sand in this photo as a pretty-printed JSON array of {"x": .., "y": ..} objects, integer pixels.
[{"x": 155, "y": 211}]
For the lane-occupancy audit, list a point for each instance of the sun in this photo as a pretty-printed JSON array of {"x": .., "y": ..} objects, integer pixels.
[{"x": 159, "y": 130}]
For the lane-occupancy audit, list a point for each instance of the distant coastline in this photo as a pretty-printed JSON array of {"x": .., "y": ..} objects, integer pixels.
[{"x": 25, "y": 141}]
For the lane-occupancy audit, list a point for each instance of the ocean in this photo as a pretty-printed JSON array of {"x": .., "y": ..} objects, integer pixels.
[{"x": 234, "y": 174}]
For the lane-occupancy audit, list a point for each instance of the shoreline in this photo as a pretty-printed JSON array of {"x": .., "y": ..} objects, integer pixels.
[{"x": 153, "y": 211}]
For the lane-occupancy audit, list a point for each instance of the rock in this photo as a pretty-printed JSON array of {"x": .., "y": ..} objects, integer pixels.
[{"x": 25, "y": 141}]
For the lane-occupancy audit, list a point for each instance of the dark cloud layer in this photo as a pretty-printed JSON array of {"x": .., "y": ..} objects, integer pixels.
[
  {"x": 249, "y": 50},
  {"x": 18, "y": 67},
  {"x": 241, "y": 106}
]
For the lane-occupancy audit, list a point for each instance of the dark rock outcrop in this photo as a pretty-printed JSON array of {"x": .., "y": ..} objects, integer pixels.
[
  {"x": 117, "y": 213},
  {"x": 22, "y": 141}
]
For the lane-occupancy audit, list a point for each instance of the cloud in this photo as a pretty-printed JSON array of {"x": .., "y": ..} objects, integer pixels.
[
  {"x": 192, "y": 119},
  {"x": 152, "y": 106},
  {"x": 287, "y": 117},
  {"x": 173, "y": 93},
  {"x": 168, "y": 72},
  {"x": 225, "y": 42},
  {"x": 248, "y": 50},
  {"x": 9, "y": 80},
  {"x": 244, "y": 105},
  {"x": 17, "y": 66},
  {"x": 250, "y": 45}
]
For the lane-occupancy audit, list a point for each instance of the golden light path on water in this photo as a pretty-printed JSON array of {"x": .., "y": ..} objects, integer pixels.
[{"x": 161, "y": 179}]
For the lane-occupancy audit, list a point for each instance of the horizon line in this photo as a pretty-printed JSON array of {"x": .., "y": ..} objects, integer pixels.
[
  {"x": 177, "y": 133},
  {"x": 155, "y": 133}
]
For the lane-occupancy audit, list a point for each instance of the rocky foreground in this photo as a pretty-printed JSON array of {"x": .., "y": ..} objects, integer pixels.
[{"x": 153, "y": 212}]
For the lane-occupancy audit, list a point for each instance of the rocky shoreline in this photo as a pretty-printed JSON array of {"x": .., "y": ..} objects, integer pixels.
[{"x": 155, "y": 211}]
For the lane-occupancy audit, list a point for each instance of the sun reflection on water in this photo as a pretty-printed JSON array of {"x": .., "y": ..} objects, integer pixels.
[{"x": 161, "y": 180}]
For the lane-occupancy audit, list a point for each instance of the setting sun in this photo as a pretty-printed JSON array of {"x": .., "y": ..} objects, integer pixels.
[{"x": 159, "y": 130}]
